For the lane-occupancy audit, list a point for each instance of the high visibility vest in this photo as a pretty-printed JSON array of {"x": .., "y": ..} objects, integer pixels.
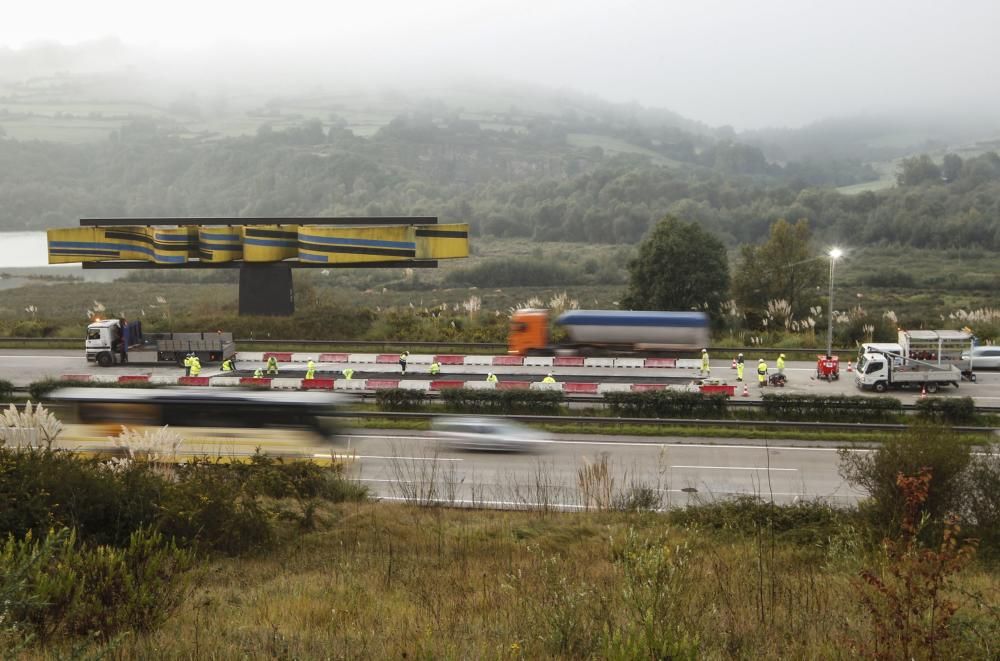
[
  {"x": 403, "y": 356},
  {"x": 781, "y": 363},
  {"x": 195, "y": 367},
  {"x": 310, "y": 370},
  {"x": 187, "y": 361},
  {"x": 548, "y": 379},
  {"x": 257, "y": 373},
  {"x": 492, "y": 378},
  {"x": 761, "y": 368},
  {"x": 704, "y": 360},
  {"x": 435, "y": 368},
  {"x": 348, "y": 373},
  {"x": 227, "y": 365}
]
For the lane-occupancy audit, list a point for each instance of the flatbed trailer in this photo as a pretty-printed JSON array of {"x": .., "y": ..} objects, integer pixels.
[
  {"x": 884, "y": 371},
  {"x": 114, "y": 341}
]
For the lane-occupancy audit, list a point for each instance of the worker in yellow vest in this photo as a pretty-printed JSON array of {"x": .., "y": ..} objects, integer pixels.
[
  {"x": 491, "y": 378},
  {"x": 228, "y": 365},
  {"x": 258, "y": 373},
  {"x": 706, "y": 367},
  {"x": 272, "y": 366},
  {"x": 781, "y": 364},
  {"x": 402, "y": 361},
  {"x": 187, "y": 364},
  {"x": 549, "y": 378},
  {"x": 435, "y": 368},
  {"x": 761, "y": 372},
  {"x": 195, "y": 366},
  {"x": 348, "y": 373},
  {"x": 310, "y": 370},
  {"x": 739, "y": 367}
]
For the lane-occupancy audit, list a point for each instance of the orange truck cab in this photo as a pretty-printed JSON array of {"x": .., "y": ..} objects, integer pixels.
[{"x": 529, "y": 332}]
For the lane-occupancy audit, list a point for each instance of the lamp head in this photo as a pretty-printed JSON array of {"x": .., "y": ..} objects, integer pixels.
[{"x": 835, "y": 253}]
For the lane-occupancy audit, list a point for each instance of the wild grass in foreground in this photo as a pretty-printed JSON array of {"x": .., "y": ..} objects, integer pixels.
[{"x": 398, "y": 581}]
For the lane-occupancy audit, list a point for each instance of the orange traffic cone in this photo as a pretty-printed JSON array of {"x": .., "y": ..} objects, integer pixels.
[
  {"x": 746, "y": 391},
  {"x": 923, "y": 392},
  {"x": 733, "y": 366}
]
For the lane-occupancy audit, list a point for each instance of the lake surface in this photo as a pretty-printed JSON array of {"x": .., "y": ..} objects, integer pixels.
[{"x": 23, "y": 249}]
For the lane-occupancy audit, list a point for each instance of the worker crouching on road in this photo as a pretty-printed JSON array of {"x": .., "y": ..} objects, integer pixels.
[
  {"x": 402, "y": 361},
  {"x": 310, "y": 370},
  {"x": 435, "y": 368},
  {"x": 258, "y": 373},
  {"x": 491, "y": 378},
  {"x": 739, "y": 367},
  {"x": 272, "y": 366},
  {"x": 706, "y": 367},
  {"x": 348, "y": 373},
  {"x": 761, "y": 372},
  {"x": 549, "y": 378},
  {"x": 228, "y": 365}
]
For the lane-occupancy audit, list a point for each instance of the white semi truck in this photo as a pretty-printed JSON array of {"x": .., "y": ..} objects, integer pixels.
[{"x": 115, "y": 341}]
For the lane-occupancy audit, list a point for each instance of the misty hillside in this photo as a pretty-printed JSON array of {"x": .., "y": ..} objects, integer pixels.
[{"x": 513, "y": 160}]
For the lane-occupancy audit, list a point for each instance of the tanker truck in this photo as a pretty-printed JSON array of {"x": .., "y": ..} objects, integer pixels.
[{"x": 607, "y": 331}]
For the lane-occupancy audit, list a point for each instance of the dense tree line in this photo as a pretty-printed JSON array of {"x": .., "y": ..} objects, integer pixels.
[{"x": 531, "y": 183}]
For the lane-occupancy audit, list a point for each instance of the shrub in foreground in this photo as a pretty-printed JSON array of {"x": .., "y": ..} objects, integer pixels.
[
  {"x": 666, "y": 404},
  {"x": 522, "y": 401}
]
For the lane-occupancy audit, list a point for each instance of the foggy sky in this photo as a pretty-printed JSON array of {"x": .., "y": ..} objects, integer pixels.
[{"x": 744, "y": 63}]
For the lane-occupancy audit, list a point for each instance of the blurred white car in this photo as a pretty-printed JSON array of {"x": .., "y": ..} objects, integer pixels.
[
  {"x": 481, "y": 433},
  {"x": 984, "y": 358}
]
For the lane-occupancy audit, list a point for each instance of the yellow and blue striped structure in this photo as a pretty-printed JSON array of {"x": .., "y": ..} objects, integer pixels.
[{"x": 304, "y": 244}]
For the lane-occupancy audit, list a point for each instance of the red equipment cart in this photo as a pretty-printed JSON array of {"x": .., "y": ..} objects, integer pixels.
[{"x": 828, "y": 368}]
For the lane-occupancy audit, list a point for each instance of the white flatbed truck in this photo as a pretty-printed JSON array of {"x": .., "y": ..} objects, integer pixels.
[
  {"x": 881, "y": 371},
  {"x": 114, "y": 341}
]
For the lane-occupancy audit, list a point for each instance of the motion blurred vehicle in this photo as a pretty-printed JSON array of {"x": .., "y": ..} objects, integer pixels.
[
  {"x": 487, "y": 433},
  {"x": 608, "y": 331},
  {"x": 983, "y": 358},
  {"x": 207, "y": 420}
]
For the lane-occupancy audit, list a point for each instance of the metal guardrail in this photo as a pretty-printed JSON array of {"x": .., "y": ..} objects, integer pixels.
[
  {"x": 474, "y": 346},
  {"x": 673, "y": 422}
]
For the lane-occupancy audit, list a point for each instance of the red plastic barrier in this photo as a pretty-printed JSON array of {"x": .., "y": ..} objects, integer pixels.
[
  {"x": 643, "y": 387},
  {"x": 729, "y": 391},
  {"x": 280, "y": 356},
  {"x": 333, "y": 358},
  {"x": 589, "y": 388},
  {"x": 193, "y": 381},
  {"x": 75, "y": 377},
  {"x": 317, "y": 384},
  {"x": 513, "y": 385},
  {"x": 253, "y": 381},
  {"x": 568, "y": 361},
  {"x": 508, "y": 360},
  {"x": 387, "y": 358},
  {"x": 441, "y": 385},
  {"x": 382, "y": 384},
  {"x": 133, "y": 378},
  {"x": 450, "y": 360},
  {"x": 660, "y": 362}
]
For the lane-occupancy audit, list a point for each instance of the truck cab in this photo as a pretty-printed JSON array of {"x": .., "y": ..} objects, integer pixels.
[
  {"x": 108, "y": 340},
  {"x": 529, "y": 332}
]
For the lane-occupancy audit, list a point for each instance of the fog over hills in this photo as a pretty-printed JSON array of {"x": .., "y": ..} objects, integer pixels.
[{"x": 773, "y": 63}]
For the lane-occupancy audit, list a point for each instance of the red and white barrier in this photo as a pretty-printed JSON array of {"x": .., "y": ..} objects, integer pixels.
[{"x": 458, "y": 359}]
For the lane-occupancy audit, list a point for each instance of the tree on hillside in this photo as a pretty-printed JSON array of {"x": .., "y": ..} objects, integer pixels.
[
  {"x": 917, "y": 170},
  {"x": 680, "y": 266},
  {"x": 784, "y": 268}
]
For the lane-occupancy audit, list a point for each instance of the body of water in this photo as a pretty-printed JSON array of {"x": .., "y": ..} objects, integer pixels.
[{"x": 23, "y": 249}]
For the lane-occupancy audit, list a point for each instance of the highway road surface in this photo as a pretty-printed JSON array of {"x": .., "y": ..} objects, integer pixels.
[
  {"x": 23, "y": 366},
  {"x": 419, "y": 467}
]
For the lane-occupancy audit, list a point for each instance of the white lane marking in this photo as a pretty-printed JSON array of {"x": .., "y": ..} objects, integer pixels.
[
  {"x": 641, "y": 444},
  {"x": 514, "y": 503},
  {"x": 739, "y": 468},
  {"x": 378, "y": 456}
]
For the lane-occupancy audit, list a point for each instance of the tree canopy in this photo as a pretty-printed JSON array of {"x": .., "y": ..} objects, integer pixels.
[
  {"x": 680, "y": 266},
  {"x": 780, "y": 276}
]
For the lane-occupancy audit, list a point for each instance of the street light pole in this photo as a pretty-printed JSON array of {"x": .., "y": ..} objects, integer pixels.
[{"x": 834, "y": 254}]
